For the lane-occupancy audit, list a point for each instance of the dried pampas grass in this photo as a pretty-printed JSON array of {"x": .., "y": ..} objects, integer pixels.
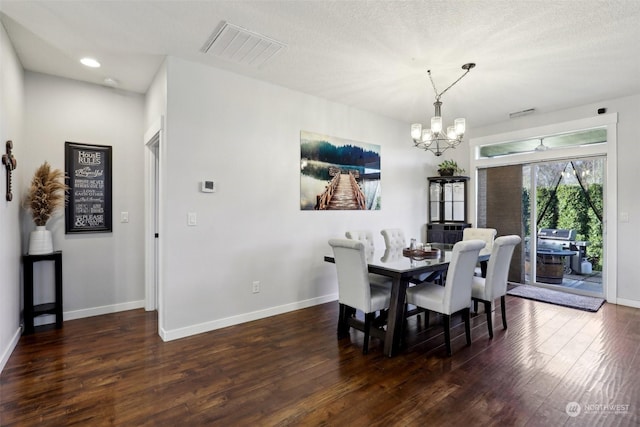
[{"x": 47, "y": 193}]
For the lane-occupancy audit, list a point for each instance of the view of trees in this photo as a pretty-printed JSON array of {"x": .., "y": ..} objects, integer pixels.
[
  {"x": 340, "y": 155},
  {"x": 562, "y": 203}
]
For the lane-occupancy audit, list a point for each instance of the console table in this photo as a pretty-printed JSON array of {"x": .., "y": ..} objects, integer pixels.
[{"x": 31, "y": 311}]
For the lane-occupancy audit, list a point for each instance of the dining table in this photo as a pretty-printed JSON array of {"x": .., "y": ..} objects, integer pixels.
[{"x": 402, "y": 270}]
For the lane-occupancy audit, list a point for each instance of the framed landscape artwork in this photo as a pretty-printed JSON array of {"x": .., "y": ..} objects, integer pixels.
[{"x": 338, "y": 174}]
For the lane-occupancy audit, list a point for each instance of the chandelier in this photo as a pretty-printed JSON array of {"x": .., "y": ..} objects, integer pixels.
[{"x": 434, "y": 139}]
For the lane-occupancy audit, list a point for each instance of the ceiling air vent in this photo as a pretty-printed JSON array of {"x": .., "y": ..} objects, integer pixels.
[{"x": 242, "y": 46}]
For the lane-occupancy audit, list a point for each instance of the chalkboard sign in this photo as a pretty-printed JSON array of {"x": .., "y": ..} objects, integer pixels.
[{"x": 89, "y": 170}]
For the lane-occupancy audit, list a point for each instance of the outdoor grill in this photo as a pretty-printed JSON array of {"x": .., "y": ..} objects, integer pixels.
[{"x": 558, "y": 253}]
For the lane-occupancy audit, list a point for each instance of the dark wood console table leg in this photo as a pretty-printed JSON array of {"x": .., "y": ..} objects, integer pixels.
[
  {"x": 58, "y": 279},
  {"x": 28, "y": 296},
  {"x": 31, "y": 311}
]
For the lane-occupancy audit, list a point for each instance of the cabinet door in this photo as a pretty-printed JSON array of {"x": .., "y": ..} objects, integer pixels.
[
  {"x": 434, "y": 201},
  {"x": 451, "y": 237},
  {"x": 458, "y": 201},
  {"x": 448, "y": 201},
  {"x": 435, "y": 236}
]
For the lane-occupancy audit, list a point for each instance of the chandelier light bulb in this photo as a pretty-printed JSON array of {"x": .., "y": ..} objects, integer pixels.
[
  {"x": 416, "y": 131},
  {"x": 436, "y": 124},
  {"x": 426, "y": 136},
  {"x": 451, "y": 132},
  {"x": 460, "y": 126}
]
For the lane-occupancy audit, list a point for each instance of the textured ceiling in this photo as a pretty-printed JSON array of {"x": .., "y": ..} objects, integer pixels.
[{"x": 373, "y": 55}]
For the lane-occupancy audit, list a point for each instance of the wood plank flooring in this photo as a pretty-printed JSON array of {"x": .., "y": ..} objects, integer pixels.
[{"x": 291, "y": 370}]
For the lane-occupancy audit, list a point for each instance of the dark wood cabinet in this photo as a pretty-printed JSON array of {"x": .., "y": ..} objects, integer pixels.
[
  {"x": 445, "y": 233},
  {"x": 447, "y": 213}
]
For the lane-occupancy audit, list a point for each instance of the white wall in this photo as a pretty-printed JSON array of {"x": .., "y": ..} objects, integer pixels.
[
  {"x": 156, "y": 98},
  {"x": 102, "y": 272},
  {"x": 628, "y": 173},
  {"x": 11, "y": 128},
  {"x": 245, "y": 135}
]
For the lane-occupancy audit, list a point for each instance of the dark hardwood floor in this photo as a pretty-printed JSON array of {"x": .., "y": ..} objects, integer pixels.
[{"x": 292, "y": 370}]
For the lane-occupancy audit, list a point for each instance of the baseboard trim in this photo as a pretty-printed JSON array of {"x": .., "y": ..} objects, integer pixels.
[
  {"x": 628, "y": 302},
  {"x": 89, "y": 312},
  {"x": 12, "y": 345},
  {"x": 174, "y": 334},
  {"x": 105, "y": 309}
]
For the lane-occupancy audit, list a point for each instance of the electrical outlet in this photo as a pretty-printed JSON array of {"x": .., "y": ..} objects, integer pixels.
[{"x": 256, "y": 287}]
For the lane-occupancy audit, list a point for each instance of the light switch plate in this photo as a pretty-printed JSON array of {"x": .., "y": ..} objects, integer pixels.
[
  {"x": 192, "y": 219},
  {"x": 124, "y": 216}
]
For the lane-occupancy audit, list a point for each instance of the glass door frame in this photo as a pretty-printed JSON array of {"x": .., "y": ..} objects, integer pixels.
[
  {"x": 533, "y": 217},
  {"x": 608, "y": 149}
]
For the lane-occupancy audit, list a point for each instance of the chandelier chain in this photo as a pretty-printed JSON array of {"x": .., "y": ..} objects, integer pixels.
[{"x": 450, "y": 86}]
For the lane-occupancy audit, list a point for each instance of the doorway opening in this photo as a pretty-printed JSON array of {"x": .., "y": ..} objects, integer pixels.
[
  {"x": 152, "y": 299},
  {"x": 557, "y": 207},
  {"x": 153, "y": 221},
  {"x": 499, "y": 163},
  {"x": 563, "y": 215}
]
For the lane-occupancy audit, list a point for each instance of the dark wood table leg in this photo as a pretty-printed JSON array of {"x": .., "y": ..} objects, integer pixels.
[
  {"x": 396, "y": 316},
  {"x": 483, "y": 268}
]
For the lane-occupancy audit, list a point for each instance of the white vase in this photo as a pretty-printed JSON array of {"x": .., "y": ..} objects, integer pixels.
[{"x": 40, "y": 241}]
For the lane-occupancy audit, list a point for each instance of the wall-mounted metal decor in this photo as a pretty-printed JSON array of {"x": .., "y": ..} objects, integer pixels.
[
  {"x": 89, "y": 170},
  {"x": 11, "y": 164},
  {"x": 338, "y": 174}
]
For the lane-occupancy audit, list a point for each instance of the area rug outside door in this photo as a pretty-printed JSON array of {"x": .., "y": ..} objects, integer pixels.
[{"x": 550, "y": 296}]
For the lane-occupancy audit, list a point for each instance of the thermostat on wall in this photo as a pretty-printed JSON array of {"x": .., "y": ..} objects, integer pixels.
[{"x": 208, "y": 186}]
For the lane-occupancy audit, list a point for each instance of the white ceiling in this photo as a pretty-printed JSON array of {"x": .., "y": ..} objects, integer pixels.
[{"x": 374, "y": 55}]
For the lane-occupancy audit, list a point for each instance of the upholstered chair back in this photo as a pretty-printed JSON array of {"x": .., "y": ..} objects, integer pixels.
[
  {"x": 394, "y": 238},
  {"x": 364, "y": 236},
  {"x": 457, "y": 292},
  {"x": 353, "y": 278},
  {"x": 485, "y": 234},
  {"x": 498, "y": 267}
]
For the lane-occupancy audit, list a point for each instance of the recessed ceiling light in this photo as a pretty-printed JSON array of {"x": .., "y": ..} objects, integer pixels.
[{"x": 90, "y": 62}]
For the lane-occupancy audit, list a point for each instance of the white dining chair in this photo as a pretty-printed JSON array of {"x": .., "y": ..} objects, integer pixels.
[
  {"x": 395, "y": 242},
  {"x": 486, "y": 290},
  {"x": 455, "y": 295},
  {"x": 394, "y": 238},
  {"x": 366, "y": 237},
  {"x": 486, "y": 234},
  {"x": 355, "y": 292}
]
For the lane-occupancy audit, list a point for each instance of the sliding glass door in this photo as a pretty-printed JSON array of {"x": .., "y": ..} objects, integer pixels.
[
  {"x": 562, "y": 215},
  {"x": 555, "y": 185}
]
